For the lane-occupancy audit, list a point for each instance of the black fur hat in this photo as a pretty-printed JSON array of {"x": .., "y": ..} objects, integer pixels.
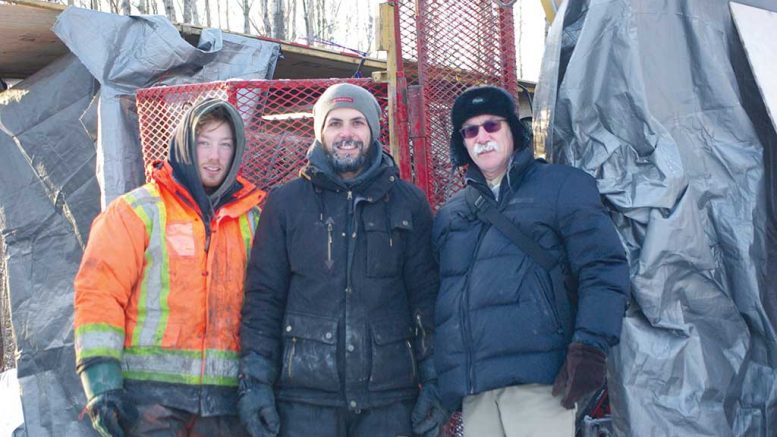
[{"x": 481, "y": 100}]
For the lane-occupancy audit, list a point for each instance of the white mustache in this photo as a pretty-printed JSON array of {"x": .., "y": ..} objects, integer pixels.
[{"x": 486, "y": 147}]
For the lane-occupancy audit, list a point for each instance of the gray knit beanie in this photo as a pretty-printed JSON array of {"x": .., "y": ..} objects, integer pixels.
[{"x": 345, "y": 95}]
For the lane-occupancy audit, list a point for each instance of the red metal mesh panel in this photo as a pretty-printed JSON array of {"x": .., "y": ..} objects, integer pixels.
[
  {"x": 456, "y": 45},
  {"x": 408, "y": 42},
  {"x": 277, "y": 115},
  {"x": 448, "y": 46}
]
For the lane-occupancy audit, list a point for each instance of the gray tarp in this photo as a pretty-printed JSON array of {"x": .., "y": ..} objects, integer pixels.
[
  {"x": 49, "y": 191},
  {"x": 128, "y": 53},
  {"x": 48, "y": 196},
  {"x": 656, "y": 100}
]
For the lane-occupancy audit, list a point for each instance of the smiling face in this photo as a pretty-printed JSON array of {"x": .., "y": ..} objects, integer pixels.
[
  {"x": 215, "y": 148},
  {"x": 490, "y": 151},
  {"x": 346, "y": 137}
]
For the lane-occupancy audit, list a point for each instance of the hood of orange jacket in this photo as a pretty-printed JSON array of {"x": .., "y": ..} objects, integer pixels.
[{"x": 183, "y": 157}]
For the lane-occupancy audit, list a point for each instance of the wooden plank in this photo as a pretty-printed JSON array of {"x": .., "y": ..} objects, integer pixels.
[{"x": 28, "y": 44}]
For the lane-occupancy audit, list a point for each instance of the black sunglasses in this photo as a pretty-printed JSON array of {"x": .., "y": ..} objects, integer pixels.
[{"x": 490, "y": 126}]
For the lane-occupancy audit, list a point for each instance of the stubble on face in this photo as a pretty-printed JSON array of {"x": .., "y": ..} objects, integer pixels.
[{"x": 345, "y": 163}]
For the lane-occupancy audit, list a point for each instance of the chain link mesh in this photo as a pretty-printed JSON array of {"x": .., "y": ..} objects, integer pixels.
[
  {"x": 449, "y": 47},
  {"x": 278, "y": 118}
]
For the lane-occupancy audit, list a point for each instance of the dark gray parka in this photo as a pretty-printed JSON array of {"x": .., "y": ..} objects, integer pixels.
[{"x": 341, "y": 286}]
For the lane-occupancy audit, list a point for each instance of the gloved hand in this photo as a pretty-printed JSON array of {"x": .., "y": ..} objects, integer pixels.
[
  {"x": 256, "y": 402},
  {"x": 583, "y": 371},
  {"x": 428, "y": 415},
  {"x": 111, "y": 413},
  {"x": 109, "y": 409},
  {"x": 256, "y": 408}
]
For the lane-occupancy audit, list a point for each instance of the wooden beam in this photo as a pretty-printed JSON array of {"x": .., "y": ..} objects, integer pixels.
[
  {"x": 387, "y": 43},
  {"x": 28, "y": 44}
]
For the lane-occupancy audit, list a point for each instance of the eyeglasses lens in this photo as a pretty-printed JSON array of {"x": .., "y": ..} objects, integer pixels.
[{"x": 490, "y": 126}]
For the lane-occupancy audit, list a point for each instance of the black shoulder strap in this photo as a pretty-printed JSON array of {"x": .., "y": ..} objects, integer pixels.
[
  {"x": 565, "y": 294},
  {"x": 486, "y": 211}
]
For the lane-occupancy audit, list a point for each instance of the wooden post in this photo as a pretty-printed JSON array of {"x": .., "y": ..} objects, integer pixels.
[{"x": 388, "y": 41}]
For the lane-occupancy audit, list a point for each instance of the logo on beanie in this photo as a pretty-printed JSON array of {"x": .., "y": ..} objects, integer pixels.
[
  {"x": 478, "y": 100},
  {"x": 343, "y": 99}
]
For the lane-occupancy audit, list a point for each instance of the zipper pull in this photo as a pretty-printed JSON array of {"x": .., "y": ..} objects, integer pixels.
[
  {"x": 330, "y": 241},
  {"x": 420, "y": 326}
]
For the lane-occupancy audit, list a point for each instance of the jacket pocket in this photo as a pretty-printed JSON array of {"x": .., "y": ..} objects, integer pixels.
[
  {"x": 385, "y": 240},
  {"x": 180, "y": 239},
  {"x": 393, "y": 361},
  {"x": 310, "y": 353},
  {"x": 546, "y": 299}
]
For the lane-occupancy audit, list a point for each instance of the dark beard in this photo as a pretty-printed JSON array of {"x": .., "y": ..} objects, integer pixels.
[{"x": 347, "y": 164}]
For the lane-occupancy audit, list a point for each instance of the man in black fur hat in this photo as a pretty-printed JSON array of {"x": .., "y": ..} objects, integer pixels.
[{"x": 533, "y": 277}]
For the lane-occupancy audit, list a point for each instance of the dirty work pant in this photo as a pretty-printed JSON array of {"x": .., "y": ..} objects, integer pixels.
[
  {"x": 160, "y": 421},
  {"x": 518, "y": 411},
  {"x": 299, "y": 419}
]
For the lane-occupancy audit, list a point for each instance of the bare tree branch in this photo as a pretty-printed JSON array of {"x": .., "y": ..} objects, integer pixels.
[
  {"x": 246, "y": 17},
  {"x": 308, "y": 13},
  {"x": 226, "y": 10},
  {"x": 187, "y": 11},
  {"x": 291, "y": 18},
  {"x": 278, "y": 23},
  {"x": 266, "y": 23},
  {"x": 169, "y": 9},
  {"x": 246, "y": 7}
]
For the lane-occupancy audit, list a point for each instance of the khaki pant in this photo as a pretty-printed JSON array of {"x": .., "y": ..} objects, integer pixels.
[{"x": 519, "y": 411}]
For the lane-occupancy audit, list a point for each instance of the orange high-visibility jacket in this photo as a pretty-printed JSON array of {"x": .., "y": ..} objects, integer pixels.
[{"x": 150, "y": 294}]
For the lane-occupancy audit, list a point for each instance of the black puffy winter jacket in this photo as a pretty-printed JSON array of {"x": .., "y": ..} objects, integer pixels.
[{"x": 497, "y": 317}]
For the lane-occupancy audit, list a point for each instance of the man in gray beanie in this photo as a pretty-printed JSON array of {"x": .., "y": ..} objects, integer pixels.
[{"x": 336, "y": 331}]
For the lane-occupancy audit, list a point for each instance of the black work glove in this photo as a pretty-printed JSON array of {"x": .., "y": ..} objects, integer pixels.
[
  {"x": 111, "y": 413},
  {"x": 256, "y": 408},
  {"x": 428, "y": 415},
  {"x": 583, "y": 371},
  {"x": 256, "y": 402}
]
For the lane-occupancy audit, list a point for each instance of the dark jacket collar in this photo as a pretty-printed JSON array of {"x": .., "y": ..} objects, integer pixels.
[
  {"x": 519, "y": 165},
  {"x": 372, "y": 183}
]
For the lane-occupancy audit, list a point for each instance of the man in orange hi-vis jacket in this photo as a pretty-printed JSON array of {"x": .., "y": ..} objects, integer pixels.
[{"x": 160, "y": 288}]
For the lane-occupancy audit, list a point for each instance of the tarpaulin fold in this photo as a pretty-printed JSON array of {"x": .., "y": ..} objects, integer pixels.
[
  {"x": 655, "y": 100},
  {"x": 52, "y": 174},
  {"x": 151, "y": 53}
]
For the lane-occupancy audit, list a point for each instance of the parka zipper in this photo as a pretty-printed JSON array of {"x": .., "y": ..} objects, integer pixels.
[
  {"x": 465, "y": 327},
  {"x": 420, "y": 327},
  {"x": 329, "y": 242},
  {"x": 412, "y": 357},
  {"x": 291, "y": 355}
]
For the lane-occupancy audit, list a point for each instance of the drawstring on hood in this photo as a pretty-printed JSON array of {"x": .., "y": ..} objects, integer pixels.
[{"x": 183, "y": 157}]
